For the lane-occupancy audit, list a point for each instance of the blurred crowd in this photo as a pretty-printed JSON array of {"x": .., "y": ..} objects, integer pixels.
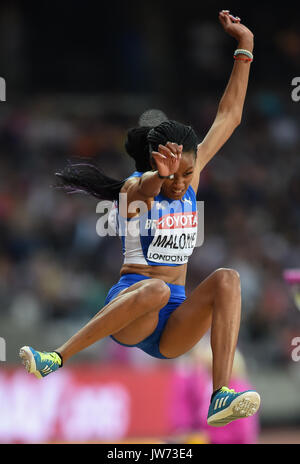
[{"x": 54, "y": 265}]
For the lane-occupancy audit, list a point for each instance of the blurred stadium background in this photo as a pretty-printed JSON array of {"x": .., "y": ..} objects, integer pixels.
[{"x": 77, "y": 78}]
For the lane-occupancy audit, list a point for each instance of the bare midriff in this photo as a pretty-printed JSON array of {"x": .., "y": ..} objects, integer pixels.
[{"x": 171, "y": 274}]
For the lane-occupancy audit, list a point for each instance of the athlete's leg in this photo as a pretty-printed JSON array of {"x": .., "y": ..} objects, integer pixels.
[
  {"x": 142, "y": 300},
  {"x": 215, "y": 303}
]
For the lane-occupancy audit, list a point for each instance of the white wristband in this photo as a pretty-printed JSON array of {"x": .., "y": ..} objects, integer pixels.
[{"x": 241, "y": 51}]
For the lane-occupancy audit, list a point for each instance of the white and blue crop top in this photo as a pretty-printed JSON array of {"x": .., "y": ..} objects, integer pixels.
[{"x": 165, "y": 235}]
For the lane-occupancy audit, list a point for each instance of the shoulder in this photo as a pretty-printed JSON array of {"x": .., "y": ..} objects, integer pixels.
[
  {"x": 131, "y": 189},
  {"x": 131, "y": 181}
]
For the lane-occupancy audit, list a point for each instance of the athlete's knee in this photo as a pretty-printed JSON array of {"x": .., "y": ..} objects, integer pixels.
[
  {"x": 155, "y": 291},
  {"x": 227, "y": 278}
]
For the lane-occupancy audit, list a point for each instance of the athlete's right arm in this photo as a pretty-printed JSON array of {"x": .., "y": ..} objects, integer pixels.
[
  {"x": 142, "y": 189},
  {"x": 146, "y": 186}
]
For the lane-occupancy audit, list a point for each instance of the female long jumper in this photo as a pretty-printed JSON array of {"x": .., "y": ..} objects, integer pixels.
[{"x": 147, "y": 307}]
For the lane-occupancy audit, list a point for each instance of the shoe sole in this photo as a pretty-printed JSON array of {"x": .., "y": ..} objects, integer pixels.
[
  {"x": 245, "y": 405},
  {"x": 29, "y": 362}
]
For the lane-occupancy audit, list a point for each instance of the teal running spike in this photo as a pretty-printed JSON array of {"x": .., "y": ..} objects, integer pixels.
[
  {"x": 228, "y": 405},
  {"x": 39, "y": 363}
]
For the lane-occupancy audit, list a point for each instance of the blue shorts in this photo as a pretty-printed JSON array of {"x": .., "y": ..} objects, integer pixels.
[{"x": 150, "y": 344}]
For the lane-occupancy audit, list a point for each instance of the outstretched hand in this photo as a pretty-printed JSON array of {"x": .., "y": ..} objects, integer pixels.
[
  {"x": 167, "y": 158},
  {"x": 232, "y": 26}
]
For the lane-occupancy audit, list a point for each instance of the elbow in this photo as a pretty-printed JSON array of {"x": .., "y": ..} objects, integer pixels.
[
  {"x": 155, "y": 193},
  {"x": 233, "y": 118}
]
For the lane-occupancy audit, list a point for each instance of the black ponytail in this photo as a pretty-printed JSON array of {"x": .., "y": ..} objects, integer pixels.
[{"x": 87, "y": 178}]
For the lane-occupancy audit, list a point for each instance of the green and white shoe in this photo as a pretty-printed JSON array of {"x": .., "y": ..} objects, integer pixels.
[
  {"x": 39, "y": 363},
  {"x": 228, "y": 405}
]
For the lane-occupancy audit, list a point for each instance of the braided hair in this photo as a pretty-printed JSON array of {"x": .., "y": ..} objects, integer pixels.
[{"x": 140, "y": 142}]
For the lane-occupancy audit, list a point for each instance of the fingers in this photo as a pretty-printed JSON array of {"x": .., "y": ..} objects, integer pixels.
[
  {"x": 226, "y": 17},
  {"x": 235, "y": 19},
  {"x": 156, "y": 153},
  {"x": 175, "y": 148},
  {"x": 171, "y": 150},
  {"x": 167, "y": 150},
  {"x": 168, "y": 156}
]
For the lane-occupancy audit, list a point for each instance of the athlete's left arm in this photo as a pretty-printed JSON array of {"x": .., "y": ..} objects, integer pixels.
[{"x": 231, "y": 105}]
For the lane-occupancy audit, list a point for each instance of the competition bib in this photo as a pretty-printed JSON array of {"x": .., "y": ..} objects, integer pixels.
[{"x": 174, "y": 239}]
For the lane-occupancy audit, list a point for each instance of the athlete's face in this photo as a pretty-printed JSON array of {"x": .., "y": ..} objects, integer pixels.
[{"x": 176, "y": 188}]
